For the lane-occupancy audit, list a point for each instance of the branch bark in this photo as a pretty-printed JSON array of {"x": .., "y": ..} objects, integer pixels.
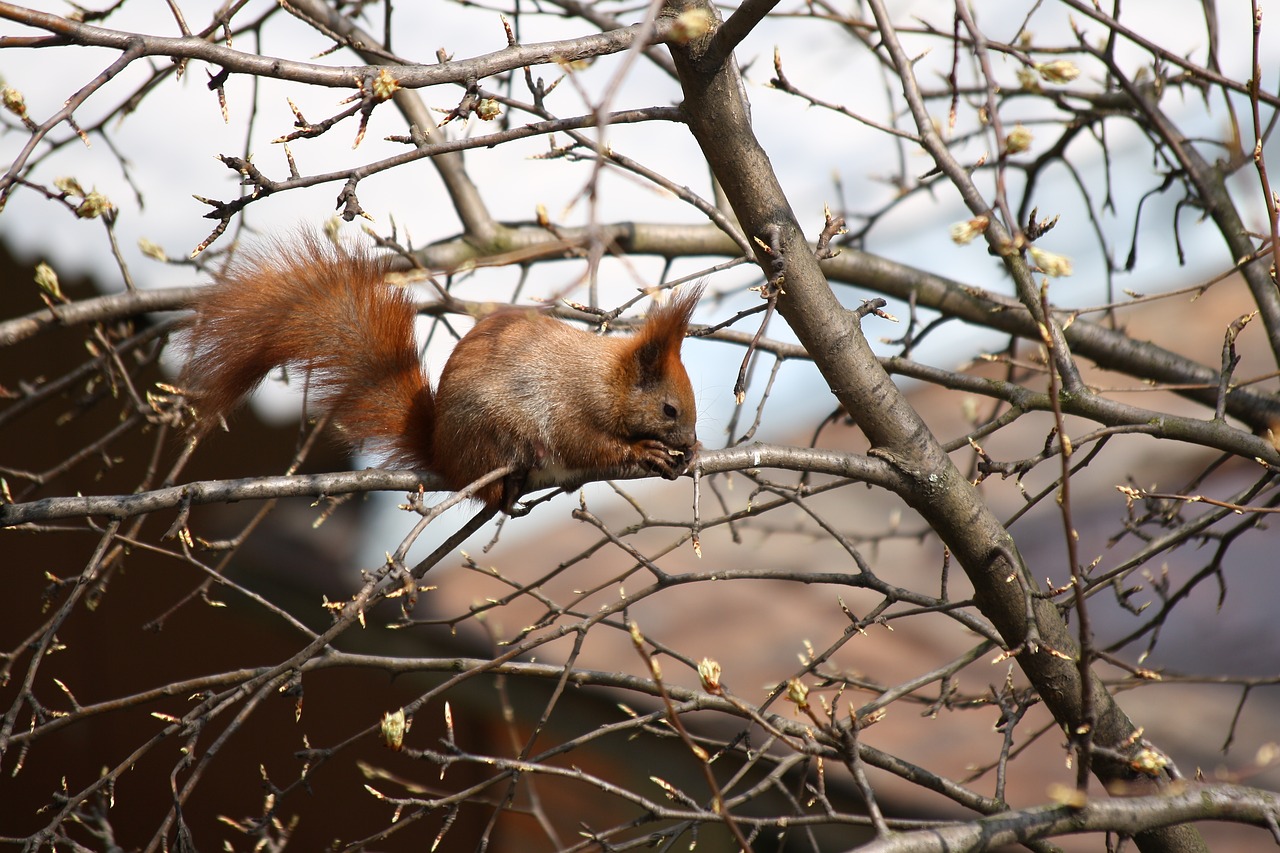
[{"x": 1128, "y": 816}]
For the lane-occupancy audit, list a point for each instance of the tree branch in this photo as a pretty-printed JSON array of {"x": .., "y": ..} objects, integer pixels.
[
  {"x": 849, "y": 465},
  {"x": 1126, "y": 816},
  {"x": 349, "y": 76}
]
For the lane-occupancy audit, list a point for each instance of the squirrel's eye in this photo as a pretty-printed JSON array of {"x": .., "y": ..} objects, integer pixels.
[{"x": 669, "y": 410}]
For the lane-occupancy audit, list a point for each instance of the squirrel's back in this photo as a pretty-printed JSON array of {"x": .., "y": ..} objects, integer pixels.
[
  {"x": 523, "y": 374},
  {"x": 568, "y": 405}
]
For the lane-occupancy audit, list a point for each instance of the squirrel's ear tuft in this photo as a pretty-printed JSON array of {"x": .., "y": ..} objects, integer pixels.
[
  {"x": 657, "y": 345},
  {"x": 679, "y": 306}
]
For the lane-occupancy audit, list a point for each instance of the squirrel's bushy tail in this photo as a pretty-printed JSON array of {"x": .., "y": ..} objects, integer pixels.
[{"x": 323, "y": 309}]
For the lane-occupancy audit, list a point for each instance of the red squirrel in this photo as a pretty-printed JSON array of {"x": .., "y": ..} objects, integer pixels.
[{"x": 559, "y": 404}]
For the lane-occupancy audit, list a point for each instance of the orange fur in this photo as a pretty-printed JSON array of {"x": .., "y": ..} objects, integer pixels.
[{"x": 561, "y": 405}]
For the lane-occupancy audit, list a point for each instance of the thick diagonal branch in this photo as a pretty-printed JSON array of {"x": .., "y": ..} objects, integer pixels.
[{"x": 719, "y": 118}]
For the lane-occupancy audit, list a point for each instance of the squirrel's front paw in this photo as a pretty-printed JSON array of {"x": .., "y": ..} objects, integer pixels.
[{"x": 663, "y": 459}]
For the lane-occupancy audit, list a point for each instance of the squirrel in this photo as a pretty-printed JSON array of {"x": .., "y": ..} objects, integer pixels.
[{"x": 558, "y": 404}]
